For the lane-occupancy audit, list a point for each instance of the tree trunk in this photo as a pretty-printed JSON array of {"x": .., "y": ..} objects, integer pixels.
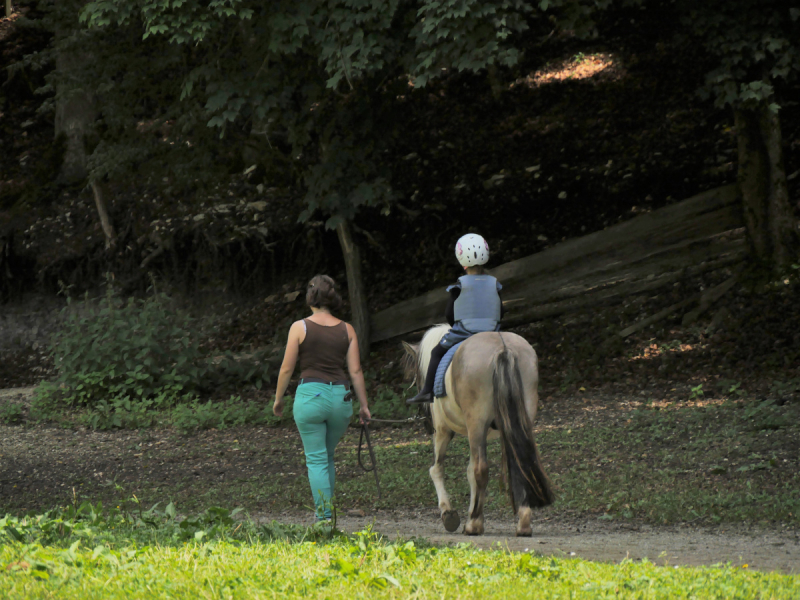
[
  {"x": 8, "y": 8},
  {"x": 355, "y": 287},
  {"x": 5, "y": 267},
  {"x": 495, "y": 82},
  {"x": 100, "y": 195},
  {"x": 762, "y": 180},
  {"x": 75, "y": 115}
]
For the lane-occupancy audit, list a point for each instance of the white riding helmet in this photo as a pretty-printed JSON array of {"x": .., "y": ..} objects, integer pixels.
[{"x": 472, "y": 250}]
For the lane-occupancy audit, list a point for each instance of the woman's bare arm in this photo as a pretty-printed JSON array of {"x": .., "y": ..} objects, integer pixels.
[
  {"x": 296, "y": 336},
  {"x": 356, "y": 374}
]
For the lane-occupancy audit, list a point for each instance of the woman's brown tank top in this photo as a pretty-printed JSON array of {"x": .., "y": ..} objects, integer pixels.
[{"x": 323, "y": 352}]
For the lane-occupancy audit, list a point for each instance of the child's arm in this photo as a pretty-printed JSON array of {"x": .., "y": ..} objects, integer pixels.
[
  {"x": 450, "y": 311},
  {"x": 502, "y": 306}
]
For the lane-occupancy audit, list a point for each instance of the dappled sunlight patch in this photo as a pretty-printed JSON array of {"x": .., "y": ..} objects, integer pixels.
[
  {"x": 654, "y": 350},
  {"x": 706, "y": 402},
  {"x": 6, "y": 21},
  {"x": 601, "y": 66}
]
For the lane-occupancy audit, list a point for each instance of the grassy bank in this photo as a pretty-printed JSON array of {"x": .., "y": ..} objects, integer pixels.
[{"x": 88, "y": 553}]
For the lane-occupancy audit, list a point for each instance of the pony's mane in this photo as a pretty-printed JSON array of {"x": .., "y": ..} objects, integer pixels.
[{"x": 432, "y": 337}]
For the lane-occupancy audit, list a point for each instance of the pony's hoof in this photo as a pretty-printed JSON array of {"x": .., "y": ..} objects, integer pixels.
[
  {"x": 470, "y": 529},
  {"x": 451, "y": 520},
  {"x": 524, "y": 532}
]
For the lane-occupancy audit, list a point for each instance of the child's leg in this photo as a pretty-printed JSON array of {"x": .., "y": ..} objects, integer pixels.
[
  {"x": 426, "y": 393},
  {"x": 437, "y": 354},
  {"x": 311, "y": 410}
]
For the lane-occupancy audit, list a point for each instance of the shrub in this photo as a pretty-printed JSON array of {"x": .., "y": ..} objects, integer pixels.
[
  {"x": 10, "y": 413},
  {"x": 136, "y": 349},
  {"x": 232, "y": 371},
  {"x": 120, "y": 360}
]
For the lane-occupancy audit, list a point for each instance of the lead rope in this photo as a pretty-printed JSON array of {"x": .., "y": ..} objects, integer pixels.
[
  {"x": 365, "y": 434},
  {"x": 374, "y": 468}
]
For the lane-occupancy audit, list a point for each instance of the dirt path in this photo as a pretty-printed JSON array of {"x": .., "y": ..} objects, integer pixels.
[
  {"x": 684, "y": 545},
  {"x": 48, "y": 462}
]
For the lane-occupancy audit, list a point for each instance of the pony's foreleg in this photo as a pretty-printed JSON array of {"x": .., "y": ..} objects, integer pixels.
[
  {"x": 441, "y": 439},
  {"x": 478, "y": 475}
]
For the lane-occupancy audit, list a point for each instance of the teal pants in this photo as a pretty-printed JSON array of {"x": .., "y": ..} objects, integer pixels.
[{"x": 322, "y": 417}]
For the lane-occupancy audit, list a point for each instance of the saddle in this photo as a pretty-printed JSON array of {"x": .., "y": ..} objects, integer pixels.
[{"x": 438, "y": 382}]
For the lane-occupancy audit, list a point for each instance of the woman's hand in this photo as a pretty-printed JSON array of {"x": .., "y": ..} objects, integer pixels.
[
  {"x": 364, "y": 415},
  {"x": 277, "y": 407}
]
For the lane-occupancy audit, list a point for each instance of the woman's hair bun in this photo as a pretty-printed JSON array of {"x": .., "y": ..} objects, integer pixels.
[{"x": 321, "y": 293}]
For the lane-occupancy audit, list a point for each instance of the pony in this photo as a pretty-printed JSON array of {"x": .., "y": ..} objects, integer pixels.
[{"x": 492, "y": 391}]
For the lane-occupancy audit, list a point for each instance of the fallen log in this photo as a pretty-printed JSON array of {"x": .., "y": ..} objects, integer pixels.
[
  {"x": 708, "y": 299},
  {"x": 614, "y": 293},
  {"x": 700, "y": 234},
  {"x": 662, "y": 314}
]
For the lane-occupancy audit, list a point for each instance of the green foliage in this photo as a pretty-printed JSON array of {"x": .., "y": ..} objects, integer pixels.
[
  {"x": 85, "y": 522},
  {"x": 123, "y": 362},
  {"x": 765, "y": 415},
  {"x": 786, "y": 387},
  {"x": 197, "y": 415},
  {"x": 387, "y": 400},
  {"x": 10, "y": 412},
  {"x": 324, "y": 76},
  {"x": 753, "y": 44},
  {"x": 119, "y": 413},
  {"x": 466, "y": 36},
  {"x": 730, "y": 388},
  {"x": 139, "y": 350},
  {"x": 237, "y": 371},
  {"x": 386, "y": 403}
]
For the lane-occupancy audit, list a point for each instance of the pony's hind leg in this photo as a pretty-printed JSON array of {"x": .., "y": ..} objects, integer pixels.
[
  {"x": 441, "y": 439},
  {"x": 478, "y": 475},
  {"x": 524, "y": 523}
]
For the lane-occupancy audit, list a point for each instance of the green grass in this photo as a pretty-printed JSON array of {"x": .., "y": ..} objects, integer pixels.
[
  {"x": 89, "y": 553},
  {"x": 734, "y": 461}
]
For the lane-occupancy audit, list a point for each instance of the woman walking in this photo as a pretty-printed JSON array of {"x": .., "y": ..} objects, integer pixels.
[{"x": 324, "y": 344}]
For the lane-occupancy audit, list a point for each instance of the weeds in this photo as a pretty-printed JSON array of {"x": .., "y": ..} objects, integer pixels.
[
  {"x": 10, "y": 413},
  {"x": 197, "y": 415},
  {"x": 786, "y": 388}
]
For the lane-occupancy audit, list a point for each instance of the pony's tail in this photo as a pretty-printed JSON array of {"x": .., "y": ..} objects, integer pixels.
[{"x": 529, "y": 484}]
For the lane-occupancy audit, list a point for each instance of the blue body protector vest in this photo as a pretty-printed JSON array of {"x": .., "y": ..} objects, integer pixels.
[{"x": 478, "y": 305}]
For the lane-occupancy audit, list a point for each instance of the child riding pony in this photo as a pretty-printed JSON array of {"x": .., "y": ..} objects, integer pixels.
[{"x": 475, "y": 306}]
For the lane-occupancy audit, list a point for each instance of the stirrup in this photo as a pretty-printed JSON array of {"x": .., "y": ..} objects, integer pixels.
[{"x": 421, "y": 398}]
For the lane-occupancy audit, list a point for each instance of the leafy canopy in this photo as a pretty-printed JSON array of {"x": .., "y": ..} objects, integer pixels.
[
  {"x": 322, "y": 76},
  {"x": 754, "y": 44}
]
